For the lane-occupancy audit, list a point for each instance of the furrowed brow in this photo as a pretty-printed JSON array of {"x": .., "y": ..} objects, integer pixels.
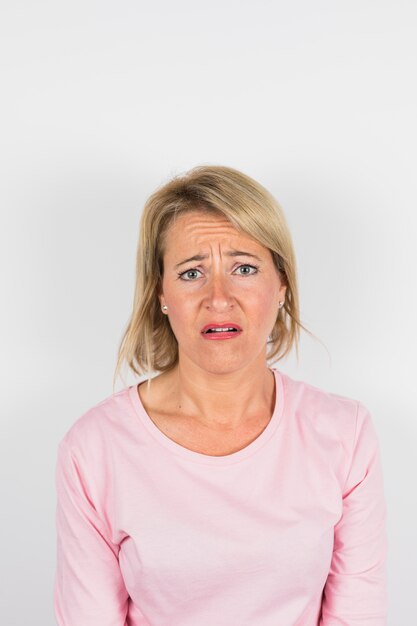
[{"x": 231, "y": 253}]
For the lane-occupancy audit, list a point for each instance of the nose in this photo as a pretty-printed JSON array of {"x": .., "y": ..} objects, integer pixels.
[{"x": 219, "y": 291}]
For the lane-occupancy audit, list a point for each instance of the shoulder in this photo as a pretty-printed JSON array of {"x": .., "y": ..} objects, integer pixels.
[
  {"x": 328, "y": 426},
  {"x": 330, "y": 414},
  {"x": 313, "y": 397},
  {"x": 86, "y": 459},
  {"x": 91, "y": 432}
]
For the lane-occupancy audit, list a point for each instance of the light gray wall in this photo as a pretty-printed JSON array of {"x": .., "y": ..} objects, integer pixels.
[{"x": 103, "y": 101}]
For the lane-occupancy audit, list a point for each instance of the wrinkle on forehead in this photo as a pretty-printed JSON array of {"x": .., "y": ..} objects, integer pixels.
[{"x": 200, "y": 227}]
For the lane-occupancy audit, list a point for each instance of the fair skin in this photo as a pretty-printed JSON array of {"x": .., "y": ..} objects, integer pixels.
[{"x": 221, "y": 394}]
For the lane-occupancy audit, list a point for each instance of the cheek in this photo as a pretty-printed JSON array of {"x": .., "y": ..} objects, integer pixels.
[
  {"x": 264, "y": 308},
  {"x": 180, "y": 313},
  {"x": 256, "y": 305},
  {"x": 263, "y": 299}
]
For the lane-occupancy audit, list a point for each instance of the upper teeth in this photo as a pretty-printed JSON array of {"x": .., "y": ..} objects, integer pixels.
[{"x": 219, "y": 329}]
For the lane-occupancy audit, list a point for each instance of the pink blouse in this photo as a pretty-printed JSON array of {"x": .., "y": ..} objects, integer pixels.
[{"x": 288, "y": 531}]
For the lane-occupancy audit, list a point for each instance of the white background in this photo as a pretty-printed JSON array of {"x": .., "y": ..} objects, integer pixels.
[{"x": 103, "y": 101}]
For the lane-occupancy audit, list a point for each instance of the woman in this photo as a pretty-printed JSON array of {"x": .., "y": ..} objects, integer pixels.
[{"x": 225, "y": 492}]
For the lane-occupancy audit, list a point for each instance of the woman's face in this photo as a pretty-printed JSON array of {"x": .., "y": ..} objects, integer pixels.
[{"x": 219, "y": 288}]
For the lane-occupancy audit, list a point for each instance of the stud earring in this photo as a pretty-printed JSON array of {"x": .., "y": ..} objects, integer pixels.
[
  {"x": 164, "y": 308},
  {"x": 281, "y": 303}
]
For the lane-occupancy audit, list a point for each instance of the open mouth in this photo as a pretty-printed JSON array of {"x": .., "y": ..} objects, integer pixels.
[
  {"x": 221, "y": 330},
  {"x": 221, "y": 327}
]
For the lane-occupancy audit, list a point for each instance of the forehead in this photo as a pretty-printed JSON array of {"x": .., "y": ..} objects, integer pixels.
[{"x": 197, "y": 228}]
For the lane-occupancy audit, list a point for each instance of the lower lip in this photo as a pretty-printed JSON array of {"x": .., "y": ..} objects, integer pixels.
[{"x": 218, "y": 336}]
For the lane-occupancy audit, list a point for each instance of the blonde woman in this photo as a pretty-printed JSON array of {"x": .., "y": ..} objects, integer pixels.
[{"x": 221, "y": 492}]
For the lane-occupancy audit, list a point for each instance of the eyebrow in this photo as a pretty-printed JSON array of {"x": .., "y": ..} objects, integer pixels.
[{"x": 232, "y": 253}]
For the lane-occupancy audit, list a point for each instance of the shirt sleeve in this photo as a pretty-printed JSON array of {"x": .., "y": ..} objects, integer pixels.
[
  {"x": 355, "y": 593},
  {"x": 88, "y": 585}
]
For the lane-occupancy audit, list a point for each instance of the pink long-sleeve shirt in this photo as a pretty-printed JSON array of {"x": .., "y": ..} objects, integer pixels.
[{"x": 288, "y": 531}]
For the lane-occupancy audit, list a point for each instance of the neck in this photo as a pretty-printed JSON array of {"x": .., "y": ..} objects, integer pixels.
[{"x": 222, "y": 400}]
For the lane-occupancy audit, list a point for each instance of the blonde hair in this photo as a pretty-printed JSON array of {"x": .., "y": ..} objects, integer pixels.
[{"x": 148, "y": 343}]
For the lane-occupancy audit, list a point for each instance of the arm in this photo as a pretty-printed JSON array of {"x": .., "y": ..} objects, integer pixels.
[
  {"x": 355, "y": 593},
  {"x": 88, "y": 585}
]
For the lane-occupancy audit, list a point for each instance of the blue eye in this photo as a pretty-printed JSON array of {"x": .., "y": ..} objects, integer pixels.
[
  {"x": 181, "y": 274},
  {"x": 254, "y": 267}
]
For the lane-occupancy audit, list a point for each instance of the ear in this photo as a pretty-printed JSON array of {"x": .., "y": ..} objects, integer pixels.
[
  {"x": 160, "y": 294},
  {"x": 161, "y": 298}
]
